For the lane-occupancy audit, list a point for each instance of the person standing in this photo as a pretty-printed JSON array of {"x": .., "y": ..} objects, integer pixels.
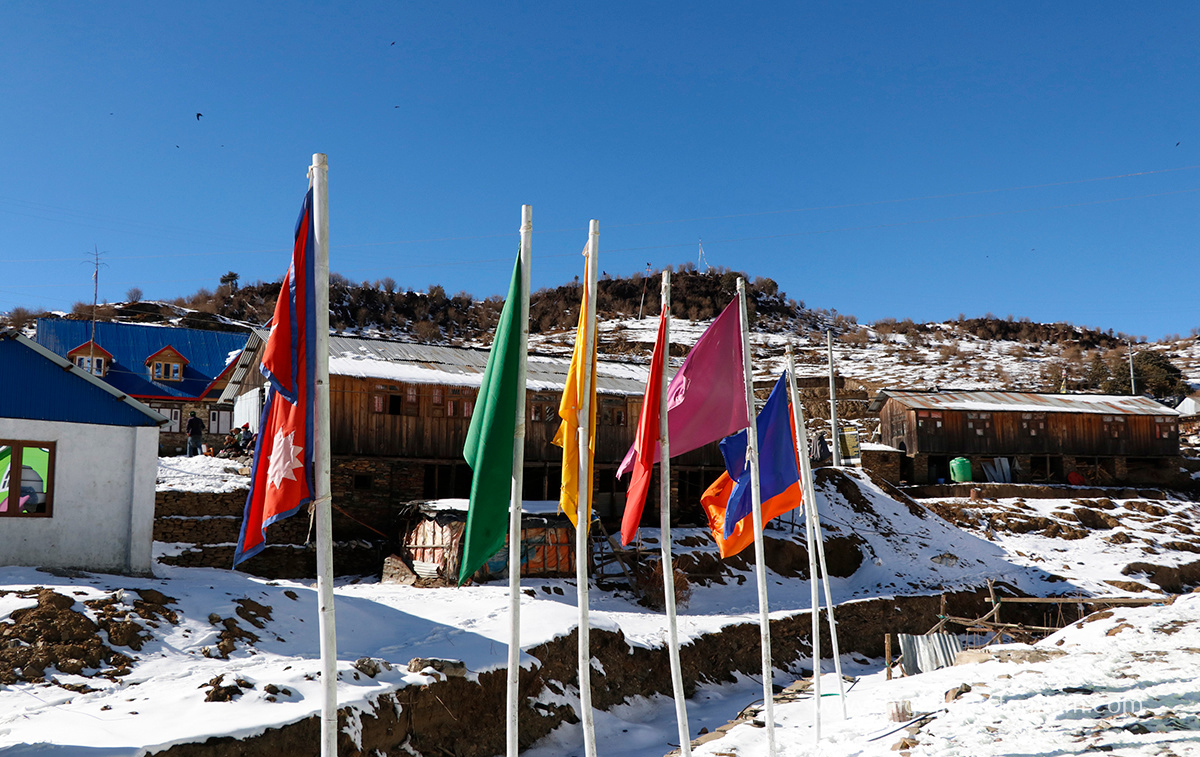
[{"x": 195, "y": 435}]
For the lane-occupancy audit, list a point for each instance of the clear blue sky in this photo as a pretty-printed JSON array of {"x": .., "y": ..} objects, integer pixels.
[{"x": 884, "y": 159}]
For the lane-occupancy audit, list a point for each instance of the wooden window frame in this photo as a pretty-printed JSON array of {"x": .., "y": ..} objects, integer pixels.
[
  {"x": 16, "y": 460},
  {"x": 166, "y": 370},
  {"x": 982, "y": 424},
  {"x": 100, "y": 366}
]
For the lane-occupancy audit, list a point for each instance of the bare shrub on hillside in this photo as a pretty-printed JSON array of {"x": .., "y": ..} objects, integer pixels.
[
  {"x": 427, "y": 331},
  {"x": 18, "y": 318},
  {"x": 859, "y": 337}
]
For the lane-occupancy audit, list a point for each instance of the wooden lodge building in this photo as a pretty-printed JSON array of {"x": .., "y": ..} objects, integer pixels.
[
  {"x": 1041, "y": 437},
  {"x": 399, "y": 415}
]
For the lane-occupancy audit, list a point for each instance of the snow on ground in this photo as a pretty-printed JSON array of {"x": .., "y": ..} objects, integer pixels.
[
  {"x": 200, "y": 474},
  {"x": 161, "y": 701},
  {"x": 1124, "y": 682}
]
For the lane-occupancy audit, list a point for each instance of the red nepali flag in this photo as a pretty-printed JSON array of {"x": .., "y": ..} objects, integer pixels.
[{"x": 281, "y": 477}]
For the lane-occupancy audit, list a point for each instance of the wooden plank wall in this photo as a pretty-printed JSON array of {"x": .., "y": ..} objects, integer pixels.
[
  {"x": 431, "y": 429},
  {"x": 1022, "y": 433}
]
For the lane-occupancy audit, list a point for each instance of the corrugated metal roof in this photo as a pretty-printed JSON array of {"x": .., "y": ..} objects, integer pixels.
[
  {"x": 424, "y": 363},
  {"x": 40, "y": 385},
  {"x": 1028, "y": 402},
  {"x": 245, "y": 365},
  {"x": 208, "y": 353},
  {"x": 433, "y": 364}
]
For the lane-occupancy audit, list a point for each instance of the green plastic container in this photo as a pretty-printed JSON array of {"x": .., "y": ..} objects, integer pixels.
[{"x": 960, "y": 470}]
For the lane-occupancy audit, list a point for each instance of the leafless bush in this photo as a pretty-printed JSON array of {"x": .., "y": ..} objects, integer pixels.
[{"x": 650, "y": 585}]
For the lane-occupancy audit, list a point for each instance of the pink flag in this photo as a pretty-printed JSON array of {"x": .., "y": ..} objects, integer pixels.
[{"x": 706, "y": 400}]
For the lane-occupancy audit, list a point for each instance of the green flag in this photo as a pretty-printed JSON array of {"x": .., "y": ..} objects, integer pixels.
[{"x": 489, "y": 446}]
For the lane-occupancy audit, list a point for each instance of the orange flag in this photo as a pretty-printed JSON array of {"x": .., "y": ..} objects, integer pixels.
[{"x": 716, "y": 498}]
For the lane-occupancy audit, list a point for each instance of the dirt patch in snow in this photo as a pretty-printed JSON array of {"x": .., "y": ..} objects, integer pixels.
[{"x": 54, "y": 636}]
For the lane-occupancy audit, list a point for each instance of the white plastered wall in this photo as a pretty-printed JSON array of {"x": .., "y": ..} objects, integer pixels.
[{"x": 103, "y": 504}]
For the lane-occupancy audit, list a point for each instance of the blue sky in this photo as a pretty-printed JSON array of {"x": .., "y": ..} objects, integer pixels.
[{"x": 883, "y": 159}]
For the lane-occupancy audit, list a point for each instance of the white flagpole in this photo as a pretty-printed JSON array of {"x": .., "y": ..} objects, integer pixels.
[
  {"x": 759, "y": 551},
  {"x": 321, "y": 458},
  {"x": 833, "y": 636},
  {"x": 583, "y": 510},
  {"x": 810, "y": 504},
  {"x": 806, "y": 489},
  {"x": 513, "y": 698},
  {"x": 668, "y": 566}
]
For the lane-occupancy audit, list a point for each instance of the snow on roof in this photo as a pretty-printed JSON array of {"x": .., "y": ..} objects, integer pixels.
[
  {"x": 530, "y": 507},
  {"x": 461, "y": 366},
  {"x": 1026, "y": 402}
]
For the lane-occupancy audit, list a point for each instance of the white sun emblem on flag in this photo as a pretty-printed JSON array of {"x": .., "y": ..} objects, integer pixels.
[{"x": 285, "y": 459}]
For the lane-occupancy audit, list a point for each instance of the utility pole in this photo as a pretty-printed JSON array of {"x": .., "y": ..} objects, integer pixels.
[
  {"x": 1132, "y": 388},
  {"x": 95, "y": 297},
  {"x": 643, "y": 305}
]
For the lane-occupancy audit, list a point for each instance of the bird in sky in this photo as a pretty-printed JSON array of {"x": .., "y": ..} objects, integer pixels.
[
  {"x": 392, "y": 45},
  {"x": 198, "y": 116}
]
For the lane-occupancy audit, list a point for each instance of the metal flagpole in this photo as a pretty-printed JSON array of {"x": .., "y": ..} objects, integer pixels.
[
  {"x": 668, "y": 566},
  {"x": 583, "y": 508},
  {"x": 833, "y": 423},
  {"x": 760, "y": 563},
  {"x": 833, "y": 637},
  {"x": 806, "y": 489},
  {"x": 514, "y": 504},
  {"x": 321, "y": 503},
  {"x": 810, "y": 504}
]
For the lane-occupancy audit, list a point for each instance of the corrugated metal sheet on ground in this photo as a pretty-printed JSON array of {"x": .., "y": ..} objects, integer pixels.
[{"x": 921, "y": 654}]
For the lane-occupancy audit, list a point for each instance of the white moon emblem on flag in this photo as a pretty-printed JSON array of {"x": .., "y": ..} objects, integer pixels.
[{"x": 285, "y": 459}]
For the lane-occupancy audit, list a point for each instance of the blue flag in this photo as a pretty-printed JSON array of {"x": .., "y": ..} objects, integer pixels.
[{"x": 776, "y": 457}]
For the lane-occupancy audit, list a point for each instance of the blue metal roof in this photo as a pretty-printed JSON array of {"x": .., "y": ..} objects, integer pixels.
[
  {"x": 41, "y": 386},
  {"x": 207, "y": 352}
]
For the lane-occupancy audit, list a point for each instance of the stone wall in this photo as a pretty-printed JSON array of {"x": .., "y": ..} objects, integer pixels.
[
  {"x": 883, "y": 463},
  {"x": 204, "y": 527}
]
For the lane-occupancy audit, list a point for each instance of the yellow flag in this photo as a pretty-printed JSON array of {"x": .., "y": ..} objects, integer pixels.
[{"x": 568, "y": 410}]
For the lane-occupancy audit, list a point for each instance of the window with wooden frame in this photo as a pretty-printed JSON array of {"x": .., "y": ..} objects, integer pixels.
[
  {"x": 980, "y": 424},
  {"x": 84, "y": 362},
  {"x": 437, "y": 401},
  {"x": 167, "y": 371},
  {"x": 468, "y": 408},
  {"x": 1033, "y": 424},
  {"x": 26, "y": 478},
  {"x": 930, "y": 421},
  {"x": 1164, "y": 428},
  {"x": 1114, "y": 426}
]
